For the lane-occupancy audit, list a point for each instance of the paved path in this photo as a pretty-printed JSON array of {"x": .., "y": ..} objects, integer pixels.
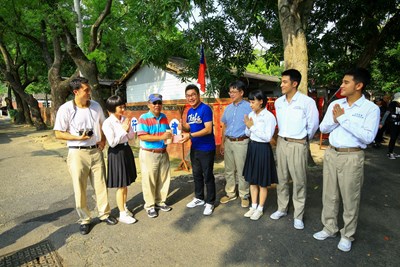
[{"x": 37, "y": 204}]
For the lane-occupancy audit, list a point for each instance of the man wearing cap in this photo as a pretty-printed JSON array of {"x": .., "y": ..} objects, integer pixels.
[
  {"x": 352, "y": 123},
  {"x": 153, "y": 156},
  {"x": 297, "y": 117},
  {"x": 234, "y": 145}
]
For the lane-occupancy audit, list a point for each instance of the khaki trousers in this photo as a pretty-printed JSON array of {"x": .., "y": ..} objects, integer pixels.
[
  {"x": 84, "y": 164},
  {"x": 234, "y": 158},
  {"x": 156, "y": 177},
  {"x": 343, "y": 178},
  {"x": 291, "y": 158}
]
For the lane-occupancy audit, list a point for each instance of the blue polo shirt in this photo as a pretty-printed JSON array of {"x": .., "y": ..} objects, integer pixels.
[
  {"x": 196, "y": 119},
  {"x": 233, "y": 119},
  {"x": 150, "y": 124}
]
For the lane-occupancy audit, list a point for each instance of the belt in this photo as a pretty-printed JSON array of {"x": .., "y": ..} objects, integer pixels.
[
  {"x": 300, "y": 141},
  {"x": 160, "y": 150},
  {"x": 83, "y": 147},
  {"x": 237, "y": 138},
  {"x": 347, "y": 149}
]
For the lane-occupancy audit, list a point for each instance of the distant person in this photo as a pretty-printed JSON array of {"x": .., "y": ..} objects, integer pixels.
[
  {"x": 298, "y": 118},
  {"x": 259, "y": 169},
  {"x": 199, "y": 124},
  {"x": 352, "y": 124},
  {"x": 394, "y": 120},
  {"x": 379, "y": 135},
  {"x": 79, "y": 121},
  {"x": 152, "y": 131},
  {"x": 234, "y": 145},
  {"x": 121, "y": 171}
]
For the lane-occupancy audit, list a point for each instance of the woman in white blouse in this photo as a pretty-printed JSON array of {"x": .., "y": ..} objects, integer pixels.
[
  {"x": 259, "y": 169},
  {"x": 121, "y": 170}
]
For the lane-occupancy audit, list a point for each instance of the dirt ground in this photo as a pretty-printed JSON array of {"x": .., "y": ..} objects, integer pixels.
[{"x": 37, "y": 204}]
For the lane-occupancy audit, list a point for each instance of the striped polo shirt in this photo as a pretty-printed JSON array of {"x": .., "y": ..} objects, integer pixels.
[{"x": 149, "y": 124}]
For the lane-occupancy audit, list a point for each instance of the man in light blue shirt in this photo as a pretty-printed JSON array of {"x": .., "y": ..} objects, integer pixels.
[{"x": 234, "y": 144}]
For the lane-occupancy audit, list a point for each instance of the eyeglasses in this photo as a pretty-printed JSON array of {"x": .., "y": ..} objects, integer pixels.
[
  {"x": 157, "y": 103},
  {"x": 191, "y": 95}
]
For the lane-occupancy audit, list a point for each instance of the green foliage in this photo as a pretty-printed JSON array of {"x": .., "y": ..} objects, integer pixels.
[
  {"x": 265, "y": 64},
  {"x": 3, "y": 89},
  {"x": 340, "y": 34},
  {"x": 337, "y": 34}
]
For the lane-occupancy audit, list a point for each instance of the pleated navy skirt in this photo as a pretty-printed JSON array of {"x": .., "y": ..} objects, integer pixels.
[
  {"x": 259, "y": 168},
  {"x": 121, "y": 166}
]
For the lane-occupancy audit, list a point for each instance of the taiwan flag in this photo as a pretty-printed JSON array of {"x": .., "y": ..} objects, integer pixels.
[{"x": 201, "y": 78}]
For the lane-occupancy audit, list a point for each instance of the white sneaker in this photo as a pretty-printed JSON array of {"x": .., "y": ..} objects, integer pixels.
[
  {"x": 125, "y": 218},
  {"x": 277, "y": 215},
  {"x": 128, "y": 212},
  {"x": 208, "y": 210},
  {"x": 298, "y": 224},
  {"x": 249, "y": 213},
  {"x": 344, "y": 245},
  {"x": 391, "y": 156},
  {"x": 256, "y": 215},
  {"x": 195, "y": 202},
  {"x": 322, "y": 235}
]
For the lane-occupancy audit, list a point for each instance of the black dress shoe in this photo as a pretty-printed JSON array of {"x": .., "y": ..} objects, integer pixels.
[
  {"x": 110, "y": 220},
  {"x": 84, "y": 229}
]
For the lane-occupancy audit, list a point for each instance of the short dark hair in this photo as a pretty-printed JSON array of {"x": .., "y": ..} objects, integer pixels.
[
  {"x": 113, "y": 102},
  {"x": 295, "y": 75},
  {"x": 239, "y": 85},
  {"x": 76, "y": 83},
  {"x": 259, "y": 95},
  {"x": 192, "y": 87},
  {"x": 360, "y": 75}
]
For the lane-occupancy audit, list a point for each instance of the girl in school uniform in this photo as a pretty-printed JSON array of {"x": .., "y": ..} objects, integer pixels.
[
  {"x": 121, "y": 163},
  {"x": 259, "y": 169}
]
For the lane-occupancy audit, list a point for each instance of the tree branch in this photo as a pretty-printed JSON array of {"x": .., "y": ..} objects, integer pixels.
[{"x": 94, "y": 31}]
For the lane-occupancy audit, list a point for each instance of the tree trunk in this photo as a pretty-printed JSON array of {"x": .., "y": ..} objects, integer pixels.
[
  {"x": 293, "y": 20},
  {"x": 20, "y": 115},
  {"x": 292, "y": 17},
  {"x": 11, "y": 73}
]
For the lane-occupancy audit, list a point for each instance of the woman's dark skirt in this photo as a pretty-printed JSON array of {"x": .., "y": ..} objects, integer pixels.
[
  {"x": 259, "y": 168},
  {"x": 121, "y": 166}
]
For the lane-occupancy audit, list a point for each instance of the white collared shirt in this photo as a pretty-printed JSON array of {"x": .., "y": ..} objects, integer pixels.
[
  {"x": 297, "y": 119},
  {"x": 357, "y": 127},
  {"x": 114, "y": 132},
  {"x": 263, "y": 128},
  {"x": 72, "y": 119}
]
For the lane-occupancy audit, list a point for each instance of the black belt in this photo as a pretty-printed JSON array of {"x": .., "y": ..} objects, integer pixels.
[
  {"x": 83, "y": 147},
  {"x": 236, "y": 139}
]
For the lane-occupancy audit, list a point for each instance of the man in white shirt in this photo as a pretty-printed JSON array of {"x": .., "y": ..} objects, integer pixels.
[
  {"x": 352, "y": 124},
  {"x": 79, "y": 122},
  {"x": 297, "y": 117}
]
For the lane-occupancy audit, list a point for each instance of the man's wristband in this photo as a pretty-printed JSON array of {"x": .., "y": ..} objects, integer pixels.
[{"x": 190, "y": 136}]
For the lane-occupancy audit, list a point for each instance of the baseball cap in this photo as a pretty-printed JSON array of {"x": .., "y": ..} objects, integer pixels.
[{"x": 155, "y": 97}]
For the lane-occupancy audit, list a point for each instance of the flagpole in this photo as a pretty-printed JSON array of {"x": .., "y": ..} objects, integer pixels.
[{"x": 208, "y": 73}]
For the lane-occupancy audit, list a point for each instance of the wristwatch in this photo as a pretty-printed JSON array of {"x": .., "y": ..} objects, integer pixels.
[{"x": 190, "y": 136}]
